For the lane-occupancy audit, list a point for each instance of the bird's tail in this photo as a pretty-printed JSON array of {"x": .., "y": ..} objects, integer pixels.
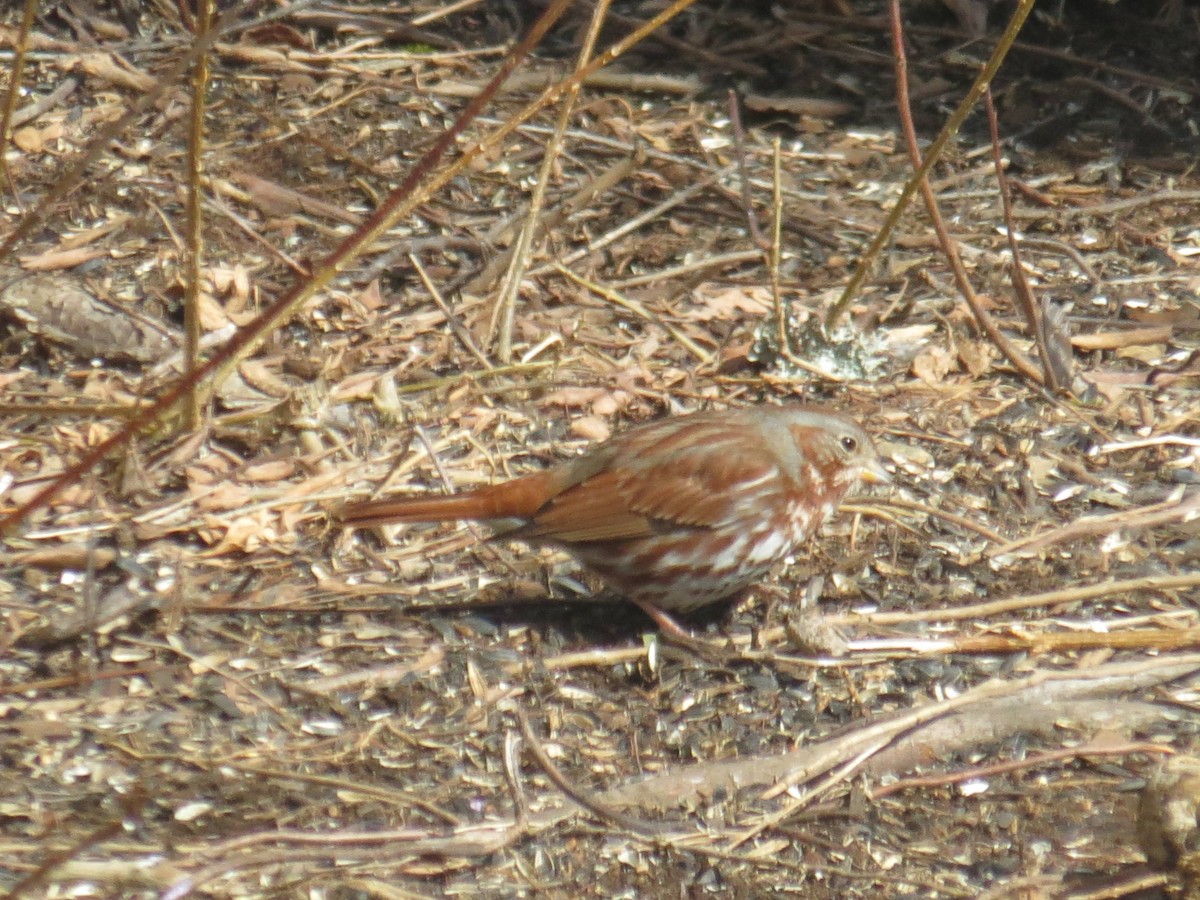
[
  {"x": 416, "y": 509},
  {"x": 508, "y": 501}
]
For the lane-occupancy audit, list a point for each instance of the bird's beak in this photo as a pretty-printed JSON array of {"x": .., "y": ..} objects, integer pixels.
[{"x": 874, "y": 473}]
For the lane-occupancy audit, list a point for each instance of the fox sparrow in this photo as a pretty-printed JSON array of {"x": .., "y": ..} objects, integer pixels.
[{"x": 676, "y": 513}]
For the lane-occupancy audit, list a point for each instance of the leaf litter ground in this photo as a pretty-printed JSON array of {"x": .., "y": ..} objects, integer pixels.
[{"x": 208, "y": 688}]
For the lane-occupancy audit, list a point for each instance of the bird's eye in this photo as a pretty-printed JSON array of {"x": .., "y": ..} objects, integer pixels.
[{"x": 849, "y": 443}]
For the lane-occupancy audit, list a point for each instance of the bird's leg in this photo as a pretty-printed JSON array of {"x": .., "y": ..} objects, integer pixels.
[
  {"x": 665, "y": 623},
  {"x": 715, "y": 652}
]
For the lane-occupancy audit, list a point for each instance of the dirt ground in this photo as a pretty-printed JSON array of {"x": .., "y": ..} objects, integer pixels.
[{"x": 961, "y": 689}]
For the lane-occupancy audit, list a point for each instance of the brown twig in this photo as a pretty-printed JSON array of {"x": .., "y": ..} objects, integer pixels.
[
  {"x": 591, "y": 804},
  {"x": 739, "y": 146},
  {"x": 1033, "y": 601},
  {"x": 932, "y": 154},
  {"x": 460, "y": 331},
  {"x": 637, "y": 309},
  {"x": 1090, "y": 683},
  {"x": 931, "y": 511},
  {"x": 1090, "y": 526},
  {"x": 56, "y": 859},
  {"x": 504, "y": 311},
  {"x": 1036, "y": 761},
  {"x": 192, "y": 330},
  {"x": 398, "y": 204},
  {"x": 783, "y": 330},
  {"x": 949, "y": 246},
  {"x": 1162, "y": 640},
  {"x": 16, "y": 69},
  {"x": 1101, "y": 210},
  {"x": 74, "y": 172},
  {"x": 1034, "y": 320}
]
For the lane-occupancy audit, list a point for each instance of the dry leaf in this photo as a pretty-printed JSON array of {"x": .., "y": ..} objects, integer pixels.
[
  {"x": 225, "y": 496},
  {"x": 972, "y": 15},
  {"x": 933, "y": 364},
  {"x": 1151, "y": 354},
  {"x": 728, "y": 304},
  {"x": 54, "y": 260},
  {"x": 270, "y": 471},
  {"x": 976, "y": 356},
  {"x": 245, "y": 534},
  {"x": 264, "y": 377},
  {"x": 29, "y": 139},
  {"x": 1114, "y": 340},
  {"x": 370, "y": 297},
  {"x": 820, "y": 107},
  {"x": 212, "y": 316},
  {"x": 277, "y": 200},
  {"x": 7, "y": 379},
  {"x": 1056, "y": 328},
  {"x": 610, "y": 404},
  {"x": 59, "y": 308},
  {"x": 591, "y": 427},
  {"x": 573, "y": 397},
  {"x": 116, "y": 71}
]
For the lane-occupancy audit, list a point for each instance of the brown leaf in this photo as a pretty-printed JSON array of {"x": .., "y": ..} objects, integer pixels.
[
  {"x": 591, "y": 427},
  {"x": 729, "y": 304},
  {"x": 61, "y": 259},
  {"x": 270, "y": 471},
  {"x": 59, "y": 308},
  {"x": 225, "y": 496},
  {"x": 276, "y": 33},
  {"x": 1151, "y": 354},
  {"x": 29, "y": 139},
  {"x": 933, "y": 364},
  {"x": 246, "y": 534},
  {"x": 976, "y": 356},
  {"x": 116, "y": 71},
  {"x": 1113, "y": 340},
  {"x": 821, "y": 107},
  {"x": 277, "y": 200},
  {"x": 573, "y": 397},
  {"x": 1056, "y": 326}
]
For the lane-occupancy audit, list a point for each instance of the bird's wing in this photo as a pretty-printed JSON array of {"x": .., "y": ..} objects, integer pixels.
[{"x": 697, "y": 485}]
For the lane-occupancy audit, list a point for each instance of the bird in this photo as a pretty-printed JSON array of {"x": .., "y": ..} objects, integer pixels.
[{"x": 676, "y": 513}]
